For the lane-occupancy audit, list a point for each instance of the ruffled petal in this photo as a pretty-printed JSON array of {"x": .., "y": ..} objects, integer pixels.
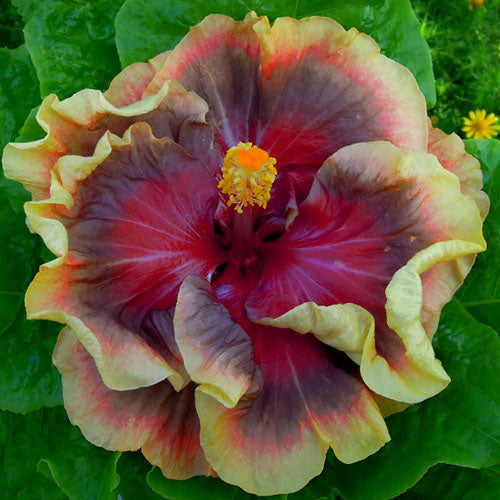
[
  {"x": 127, "y": 230},
  {"x": 400, "y": 363},
  {"x": 450, "y": 151},
  {"x": 442, "y": 280},
  {"x": 157, "y": 419},
  {"x": 275, "y": 441},
  {"x": 370, "y": 211},
  {"x": 300, "y": 90},
  {"x": 217, "y": 352},
  {"x": 325, "y": 88},
  {"x": 75, "y": 125},
  {"x": 344, "y": 327},
  {"x": 219, "y": 59},
  {"x": 128, "y": 86}
]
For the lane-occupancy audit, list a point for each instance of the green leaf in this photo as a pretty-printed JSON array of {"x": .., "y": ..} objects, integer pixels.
[
  {"x": 480, "y": 293},
  {"x": 133, "y": 468},
  {"x": 210, "y": 488},
  {"x": 18, "y": 91},
  {"x": 31, "y": 130},
  {"x": 28, "y": 379},
  {"x": 459, "y": 426},
  {"x": 20, "y": 448},
  {"x": 11, "y": 26},
  {"x": 451, "y": 483},
  {"x": 18, "y": 258},
  {"x": 207, "y": 488},
  {"x": 71, "y": 43},
  {"x": 145, "y": 28},
  {"x": 46, "y": 442}
]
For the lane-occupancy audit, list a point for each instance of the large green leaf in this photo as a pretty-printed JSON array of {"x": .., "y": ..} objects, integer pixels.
[
  {"x": 28, "y": 379},
  {"x": 47, "y": 442},
  {"x": 18, "y": 255},
  {"x": 145, "y": 28},
  {"x": 207, "y": 488},
  {"x": 18, "y": 91},
  {"x": 452, "y": 483},
  {"x": 132, "y": 468},
  {"x": 11, "y": 26},
  {"x": 71, "y": 43},
  {"x": 20, "y": 447},
  {"x": 481, "y": 291}
]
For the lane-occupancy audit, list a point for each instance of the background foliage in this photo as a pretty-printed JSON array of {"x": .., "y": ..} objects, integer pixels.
[
  {"x": 465, "y": 48},
  {"x": 454, "y": 438}
]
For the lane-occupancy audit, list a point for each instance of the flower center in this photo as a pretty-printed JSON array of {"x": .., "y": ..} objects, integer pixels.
[{"x": 248, "y": 174}]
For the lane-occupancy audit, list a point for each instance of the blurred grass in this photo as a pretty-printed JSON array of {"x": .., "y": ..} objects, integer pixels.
[{"x": 464, "y": 43}]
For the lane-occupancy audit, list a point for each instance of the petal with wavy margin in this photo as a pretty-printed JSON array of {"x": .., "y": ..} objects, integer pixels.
[
  {"x": 219, "y": 59},
  {"x": 127, "y": 231},
  {"x": 371, "y": 210},
  {"x": 275, "y": 441},
  {"x": 128, "y": 86},
  {"x": 450, "y": 152},
  {"x": 324, "y": 88},
  {"x": 75, "y": 125},
  {"x": 157, "y": 419}
]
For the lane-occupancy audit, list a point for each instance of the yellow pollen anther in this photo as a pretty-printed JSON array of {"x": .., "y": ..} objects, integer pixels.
[{"x": 248, "y": 174}]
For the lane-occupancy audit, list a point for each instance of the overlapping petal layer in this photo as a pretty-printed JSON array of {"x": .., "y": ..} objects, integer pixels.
[
  {"x": 127, "y": 231},
  {"x": 217, "y": 352},
  {"x": 267, "y": 424},
  {"x": 157, "y": 419},
  {"x": 75, "y": 125},
  {"x": 300, "y": 90},
  {"x": 442, "y": 280},
  {"x": 219, "y": 60},
  {"x": 324, "y": 88},
  {"x": 371, "y": 212},
  {"x": 450, "y": 151}
]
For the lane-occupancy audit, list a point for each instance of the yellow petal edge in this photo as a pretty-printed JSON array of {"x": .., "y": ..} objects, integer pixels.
[
  {"x": 145, "y": 367},
  {"x": 350, "y": 328},
  {"x": 27, "y": 163}
]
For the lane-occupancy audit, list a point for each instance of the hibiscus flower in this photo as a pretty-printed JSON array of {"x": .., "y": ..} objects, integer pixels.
[{"x": 254, "y": 239}]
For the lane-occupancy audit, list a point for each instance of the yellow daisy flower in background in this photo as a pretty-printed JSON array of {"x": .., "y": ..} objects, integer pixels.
[
  {"x": 477, "y": 3},
  {"x": 480, "y": 126}
]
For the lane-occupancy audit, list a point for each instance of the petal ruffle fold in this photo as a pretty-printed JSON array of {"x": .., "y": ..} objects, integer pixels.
[
  {"x": 219, "y": 59},
  {"x": 157, "y": 419},
  {"x": 451, "y": 154},
  {"x": 122, "y": 257},
  {"x": 75, "y": 126},
  {"x": 217, "y": 352},
  {"x": 299, "y": 89},
  {"x": 373, "y": 219},
  {"x": 275, "y": 440}
]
